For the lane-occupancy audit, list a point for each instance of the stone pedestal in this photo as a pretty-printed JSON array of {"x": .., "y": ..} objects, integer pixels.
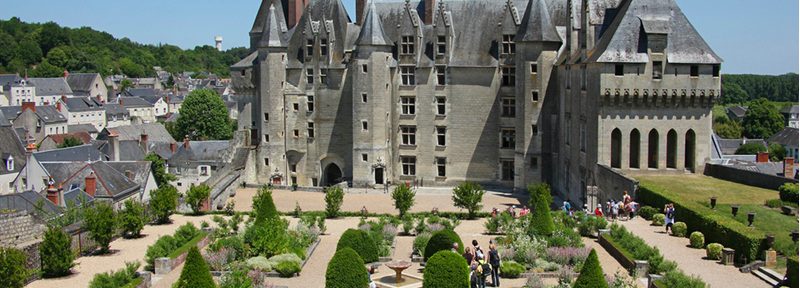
[
  {"x": 641, "y": 268},
  {"x": 146, "y": 279},
  {"x": 163, "y": 266},
  {"x": 727, "y": 256},
  {"x": 601, "y": 232},
  {"x": 771, "y": 258},
  {"x": 651, "y": 278}
]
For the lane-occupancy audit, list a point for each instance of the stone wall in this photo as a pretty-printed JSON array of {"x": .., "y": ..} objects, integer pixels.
[
  {"x": 746, "y": 177},
  {"x": 612, "y": 184},
  {"x": 24, "y": 232}
]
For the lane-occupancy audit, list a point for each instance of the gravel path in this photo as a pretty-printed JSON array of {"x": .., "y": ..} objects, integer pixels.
[{"x": 691, "y": 260}]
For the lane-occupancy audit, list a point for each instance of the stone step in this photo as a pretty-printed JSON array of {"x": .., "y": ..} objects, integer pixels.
[
  {"x": 771, "y": 273},
  {"x": 768, "y": 279}
]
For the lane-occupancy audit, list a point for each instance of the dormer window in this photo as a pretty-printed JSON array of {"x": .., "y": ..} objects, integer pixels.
[
  {"x": 310, "y": 75},
  {"x": 407, "y": 45},
  {"x": 441, "y": 45},
  {"x": 323, "y": 47},
  {"x": 657, "y": 70},
  {"x": 407, "y": 75},
  {"x": 509, "y": 48},
  {"x": 10, "y": 163},
  {"x": 309, "y": 48}
]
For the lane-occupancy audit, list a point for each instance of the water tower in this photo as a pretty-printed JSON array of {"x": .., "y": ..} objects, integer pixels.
[{"x": 218, "y": 41}]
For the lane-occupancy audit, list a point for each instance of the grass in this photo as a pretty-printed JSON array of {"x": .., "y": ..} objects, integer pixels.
[
  {"x": 185, "y": 248},
  {"x": 768, "y": 220}
]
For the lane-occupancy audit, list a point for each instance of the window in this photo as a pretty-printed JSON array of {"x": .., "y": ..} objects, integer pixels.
[
  {"x": 296, "y": 133},
  {"x": 715, "y": 70},
  {"x": 441, "y": 76},
  {"x": 309, "y": 47},
  {"x": 534, "y": 129},
  {"x": 407, "y": 45},
  {"x": 266, "y": 161},
  {"x": 310, "y": 103},
  {"x": 509, "y": 76},
  {"x": 408, "y": 135},
  {"x": 266, "y": 117},
  {"x": 364, "y": 126},
  {"x": 10, "y": 164},
  {"x": 407, "y": 75},
  {"x": 323, "y": 47},
  {"x": 311, "y": 129},
  {"x": 364, "y": 97},
  {"x": 583, "y": 77},
  {"x": 408, "y": 105},
  {"x": 583, "y": 137},
  {"x": 363, "y": 68},
  {"x": 364, "y": 157},
  {"x": 409, "y": 165},
  {"x": 508, "y": 138},
  {"x": 310, "y": 75},
  {"x": 509, "y": 107},
  {"x": 535, "y": 96},
  {"x": 534, "y": 68},
  {"x": 657, "y": 70},
  {"x": 295, "y": 106},
  {"x": 323, "y": 75},
  {"x": 507, "y": 170},
  {"x": 441, "y": 45},
  {"x": 441, "y": 166},
  {"x": 694, "y": 71},
  {"x": 534, "y": 162},
  {"x": 441, "y": 136},
  {"x": 266, "y": 137},
  {"x": 441, "y": 108},
  {"x": 508, "y": 44},
  {"x": 619, "y": 70},
  {"x": 293, "y": 168}
]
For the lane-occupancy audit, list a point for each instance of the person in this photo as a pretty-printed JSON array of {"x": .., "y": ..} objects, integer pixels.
[
  {"x": 371, "y": 283},
  {"x": 608, "y": 208},
  {"x": 478, "y": 251},
  {"x": 625, "y": 197},
  {"x": 669, "y": 219},
  {"x": 475, "y": 275},
  {"x": 586, "y": 209},
  {"x": 455, "y": 247},
  {"x": 524, "y": 211},
  {"x": 494, "y": 260},
  {"x": 469, "y": 255},
  {"x": 614, "y": 210},
  {"x": 599, "y": 210},
  {"x": 494, "y": 212},
  {"x": 364, "y": 210}
]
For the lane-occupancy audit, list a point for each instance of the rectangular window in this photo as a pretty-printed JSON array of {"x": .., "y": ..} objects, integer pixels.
[
  {"x": 715, "y": 70},
  {"x": 441, "y": 106},
  {"x": 323, "y": 47},
  {"x": 323, "y": 75},
  {"x": 296, "y": 133},
  {"x": 266, "y": 117},
  {"x": 310, "y": 75},
  {"x": 508, "y": 138},
  {"x": 407, "y": 45},
  {"x": 535, "y": 96},
  {"x": 508, "y": 44},
  {"x": 409, "y": 165},
  {"x": 441, "y": 166},
  {"x": 657, "y": 69},
  {"x": 363, "y": 68},
  {"x": 266, "y": 161},
  {"x": 583, "y": 77},
  {"x": 310, "y": 103},
  {"x": 509, "y": 107},
  {"x": 441, "y": 76},
  {"x": 364, "y": 97},
  {"x": 534, "y": 68},
  {"x": 364, "y": 157},
  {"x": 441, "y": 45},
  {"x": 619, "y": 70},
  {"x": 534, "y": 162},
  {"x": 534, "y": 129},
  {"x": 694, "y": 71},
  {"x": 408, "y": 135},
  {"x": 408, "y": 105},
  {"x": 364, "y": 126},
  {"x": 509, "y": 76},
  {"x": 407, "y": 75},
  {"x": 293, "y": 168},
  {"x": 266, "y": 137},
  {"x": 441, "y": 136},
  {"x": 507, "y": 169},
  {"x": 309, "y": 48},
  {"x": 311, "y": 129},
  {"x": 583, "y": 137},
  {"x": 295, "y": 106}
]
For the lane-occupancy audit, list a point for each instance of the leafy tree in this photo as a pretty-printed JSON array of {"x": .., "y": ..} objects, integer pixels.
[
  {"x": 727, "y": 129},
  {"x": 163, "y": 202},
  {"x": 196, "y": 196},
  {"x": 101, "y": 222},
  {"x": 132, "y": 218},
  {"x": 125, "y": 84},
  {"x": 403, "y": 198},
  {"x": 195, "y": 273},
  {"x": 733, "y": 93},
  {"x": 264, "y": 206},
  {"x": 158, "y": 167},
  {"x": 70, "y": 141},
  {"x": 28, "y": 52},
  {"x": 776, "y": 152},
  {"x": 131, "y": 69},
  {"x": 268, "y": 238},
  {"x": 58, "y": 57},
  {"x": 334, "y": 197},
  {"x": 56, "y": 253},
  {"x": 52, "y": 36},
  {"x": 591, "y": 274},
  {"x": 203, "y": 115},
  {"x": 346, "y": 270},
  {"x": 762, "y": 120},
  {"x": 751, "y": 148},
  {"x": 540, "y": 200},
  {"x": 119, "y": 278},
  {"x": 13, "y": 272},
  {"x": 783, "y": 88},
  {"x": 9, "y": 46},
  {"x": 47, "y": 70},
  {"x": 468, "y": 195}
]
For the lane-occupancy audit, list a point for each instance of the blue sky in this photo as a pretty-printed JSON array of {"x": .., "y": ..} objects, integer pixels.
[{"x": 752, "y": 36}]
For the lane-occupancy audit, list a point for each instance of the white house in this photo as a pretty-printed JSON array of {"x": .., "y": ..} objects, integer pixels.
[{"x": 84, "y": 110}]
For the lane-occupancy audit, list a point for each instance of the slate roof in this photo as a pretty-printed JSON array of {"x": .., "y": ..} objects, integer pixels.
[
  {"x": 787, "y": 137},
  {"x": 536, "y": 25},
  {"x": 176, "y": 99},
  {"x": 199, "y": 152},
  {"x": 139, "y": 92},
  {"x": 129, "y": 150},
  {"x": 737, "y": 111},
  {"x": 110, "y": 182},
  {"x": 77, "y": 197},
  {"x": 729, "y": 146},
  {"x": 82, "y": 82},
  {"x": 82, "y": 104},
  {"x": 134, "y": 102},
  {"x": 50, "y": 86},
  {"x": 81, "y": 153},
  {"x": 48, "y": 114},
  {"x": 155, "y": 132},
  {"x": 7, "y": 79},
  {"x": 790, "y": 110},
  {"x": 273, "y": 32},
  {"x": 11, "y": 146},
  {"x": 3, "y": 120},
  {"x": 78, "y": 128},
  {"x": 28, "y": 201},
  {"x": 114, "y": 109},
  {"x": 372, "y": 32}
]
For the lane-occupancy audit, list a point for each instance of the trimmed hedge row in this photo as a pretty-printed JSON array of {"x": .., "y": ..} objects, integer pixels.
[
  {"x": 747, "y": 242},
  {"x": 791, "y": 271}
]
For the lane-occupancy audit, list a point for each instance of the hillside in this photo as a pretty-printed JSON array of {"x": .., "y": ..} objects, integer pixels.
[
  {"x": 46, "y": 50},
  {"x": 744, "y": 87}
]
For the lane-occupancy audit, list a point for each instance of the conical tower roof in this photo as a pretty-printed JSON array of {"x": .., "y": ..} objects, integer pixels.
[
  {"x": 372, "y": 32},
  {"x": 536, "y": 24},
  {"x": 272, "y": 31}
]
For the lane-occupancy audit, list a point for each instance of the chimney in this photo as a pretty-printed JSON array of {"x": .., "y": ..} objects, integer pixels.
[
  {"x": 114, "y": 144},
  {"x": 64, "y": 98},
  {"x": 762, "y": 157},
  {"x": 91, "y": 184},
  {"x": 360, "y": 5},
  {"x": 29, "y": 105},
  {"x": 52, "y": 194},
  {"x": 129, "y": 175},
  {"x": 186, "y": 142},
  {"x": 295, "y": 11},
  {"x": 173, "y": 147},
  {"x": 119, "y": 101},
  {"x": 66, "y": 73},
  {"x": 58, "y": 106},
  {"x": 430, "y": 6},
  {"x": 788, "y": 167}
]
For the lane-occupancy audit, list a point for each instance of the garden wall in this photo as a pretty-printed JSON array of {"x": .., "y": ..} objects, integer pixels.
[
  {"x": 612, "y": 184},
  {"x": 746, "y": 177}
]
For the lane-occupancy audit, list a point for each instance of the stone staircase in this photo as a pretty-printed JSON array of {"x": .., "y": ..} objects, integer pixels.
[{"x": 772, "y": 278}]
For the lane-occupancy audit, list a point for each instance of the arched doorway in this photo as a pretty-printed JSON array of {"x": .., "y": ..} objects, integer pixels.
[
  {"x": 689, "y": 153},
  {"x": 652, "y": 149},
  {"x": 672, "y": 149},
  {"x": 634, "y": 149},
  {"x": 616, "y": 149},
  {"x": 333, "y": 175}
]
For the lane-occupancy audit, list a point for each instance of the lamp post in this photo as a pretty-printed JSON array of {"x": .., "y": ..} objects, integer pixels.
[
  {"x": 734, "y": 210},
  {"x": 713, "y": 202},
  {"x": 750, "y": 218}
]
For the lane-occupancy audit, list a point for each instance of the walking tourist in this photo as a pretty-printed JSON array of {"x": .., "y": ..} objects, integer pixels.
[
  {"x": 478, "y": 251},
  {"x": 599, "y": 210},
  {"x": 455, "y": 247},
  {"x": 494, "y": 260},
  {"x": 669, "y": 219}
]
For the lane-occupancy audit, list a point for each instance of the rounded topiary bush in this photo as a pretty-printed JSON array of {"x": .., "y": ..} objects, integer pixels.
[
  {"x": 591, "y": 274},
  {"x": 714, "y": 251},
  {"x": 647, "y": 212},
  {"x": 443, "y": 240},
  {"x": 346, "y": 270},
  {"x": 679, "y": 229},
  {"x": 287, "y": 268},
  {"x": 697, "y": 240},
  {"x": 658, "y": 219},
  {"x": 446, "y": 269},
  {"x": 360, "y": 242},
  {"x": 511, "y": 269}
]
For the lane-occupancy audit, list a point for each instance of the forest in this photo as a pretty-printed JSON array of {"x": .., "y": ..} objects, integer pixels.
[
  {"x": 742, "y": 88},
  {"x": 46, "y": 50}
]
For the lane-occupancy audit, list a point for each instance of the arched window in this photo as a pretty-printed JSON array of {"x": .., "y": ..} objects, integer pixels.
[
  {"x": 652, "y": 149},
  {"x": 634, "y": 147},
  {"x": 689, "y": 153},
  {"x": 616, "y": 149},
  {"x": 672, "y": 149}
]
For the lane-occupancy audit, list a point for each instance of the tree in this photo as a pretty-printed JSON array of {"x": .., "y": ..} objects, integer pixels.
[
  {"x": 47, "y": 70},
  {"x": 334, "y": 197},
  {"x": 157, "y": 165},
  {"x": 196, "y": 196},
  {"x": 56, "y": 253},
  {"x": 591, "y": 274},
  {"x": 203, "y": 115},
  {"x": 52, "y": 36},
  {"x": 13, "y": 272},
  {"x": 751, "y": 148},
  {"x": 125, "y": 84},
  {"x": 101, "y": 222},
  {"x": 727, "y": 129},
  {"x": 28, "y": 52},
  {"x": 346, "y": 270},
  {"x": 468, "y": 196},
  {"x": 359, "y": 241},
  {"x": 132, "y": 218},
  {"x": 70, "y": 141},
  {"x": 762, "y": 120},
  {"x": 733, "y": 93},
  {"x": 195, "y": 273},
  {"x": 776, "y": 152},
  {"x": 268, "y": 238},
  {"x": 264, "y": 206},
  {"x": 163, "y": 202},
  {"x": 58, "y": 57},
  {"x": 540, "y": 200},
  {"x": 403, "y": 198},
  {"x": 119, "y": 278}
]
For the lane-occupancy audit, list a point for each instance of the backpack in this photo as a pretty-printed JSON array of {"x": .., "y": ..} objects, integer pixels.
[
  {"x": 494, "y": 257},
  {"x": 487, "y": 269}
]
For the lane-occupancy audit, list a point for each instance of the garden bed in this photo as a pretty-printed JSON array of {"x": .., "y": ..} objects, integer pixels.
[
  {"x": 165, "y": 265},
  {"x": 615, "y": 250}
]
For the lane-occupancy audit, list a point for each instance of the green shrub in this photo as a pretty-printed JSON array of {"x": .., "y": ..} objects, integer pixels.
[
  {"x": 774, "y": 203},
  {"x": 511, "y": 269},
  {"x": 659, "y": 219},
  {"x": 132, "y": 218},
  {"x": 590, "y": 225},
  {"x": 492, "y": 225},
  {"x": 714, "y": 251},
  {"x": 196, "y": 196},
  {"x": 403, "y": 198},
  {"x": 287, "y": 268},
  {"x": 231, "y": 242},
  {"x": 334, "y": 197},
  {"x": 269, "y": 238},
  {"x": 264, "y": 206},
  {"x": 237, "y": 278},
  {"x": 161, "y": 248},
  {"x": 635, "y": 248},
  {"x": 443, "y": 240},
  {"x": 446, "y": 269},
  {"x": 163, "y": 201},
  {"x": 360, "y": 242},
  {"x": 187, "y": 245},
  {"x": 119, "y": 278},
  {"x": 420, "y": 241},
  {"x": 647, "y": 212},
  {"x": 186, "y": 232},
  {"x": 676, "y": 278},
  {"x": 789, "y": 192},
  {"x": 468, "y": 195},
  {"x": 259, "y": 263},
  {"x": 791, "y": 271},
  {"x": 56, "y": 253},
  {"x": 195, "y": 273},
  {"x": 346, "y": 270},
  {"x": 696, "y": 240},
  {"x": 13, "y": 272},
  {"x": 101, "y": 222},
  {"x": 679, "y": 229},
  {"x": 541, "y": 220},
  {"x": 288, "y": 257},
  {"x": 591, "y": 274}
]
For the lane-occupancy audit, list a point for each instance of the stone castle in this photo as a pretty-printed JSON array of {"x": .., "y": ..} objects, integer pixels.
[{"x": 501, "y": 92}]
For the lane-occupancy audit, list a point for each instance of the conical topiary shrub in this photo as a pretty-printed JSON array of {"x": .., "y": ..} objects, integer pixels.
[
  {"x": 541, "y": 220},
  {"x": 346, "y": 270},
  {"x": 264, "y": 206},
  {"x": 446, "y": 269},
  {"x": 195, "y": 273},
  {"x": 591, "y": 274}
]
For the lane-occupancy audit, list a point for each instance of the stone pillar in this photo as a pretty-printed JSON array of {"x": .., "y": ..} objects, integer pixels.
[
  {"x": 651, "y": 278},
  {"x": 727, "y": 256},
  {"x": 641, "y": 268},
  {"x": 163, "y": 266},
  {"x": 771, "y": 258},
  {"x": 146, "y": 279}
]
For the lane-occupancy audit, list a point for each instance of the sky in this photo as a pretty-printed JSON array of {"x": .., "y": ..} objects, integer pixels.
[{"x": 752, "y": 36}]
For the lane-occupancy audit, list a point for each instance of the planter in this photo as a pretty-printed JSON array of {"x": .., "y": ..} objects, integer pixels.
[
  {"x": 626, "y": 262},
  {"x": 788, "y": 210},
  {"x": 309, "y": 251},
  {"x": 164, "y": 265}
]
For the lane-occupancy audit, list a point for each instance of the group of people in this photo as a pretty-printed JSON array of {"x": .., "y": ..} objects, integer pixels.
[
  {"x": 623, "y": 210},
  {"x": 513, "y": 211},
  {"x": 482, "y": 264}
]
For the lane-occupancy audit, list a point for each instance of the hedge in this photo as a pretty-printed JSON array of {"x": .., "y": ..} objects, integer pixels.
[
  {"x": 346, "y": 270},
  {"x": 360, "y": 242},
  {"x": 446, "y": 269},
  {"x": 511, "y": 269},
  {"x": 188, "y": 245},
  {"x": 442, "y": 240},
  {"x": 791, "y": 271},
  {"x": 747, "y": 242}
]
